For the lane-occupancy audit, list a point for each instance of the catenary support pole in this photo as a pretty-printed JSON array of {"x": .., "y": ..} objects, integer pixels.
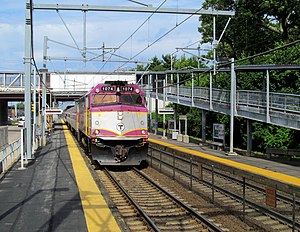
[
  {"x": 268, "y": 96},
  {"x": 249, "y": 137},
  {"x": 156, "y": 116},
  {"x": 232, "y": 107},
  {"x": 203, "y": 126},
  {"x": 34, "y": 111},
  {"x": 44, "y": 73},
  {"x": 27, "y": 62},
  {"x": 164, "y": 105}
]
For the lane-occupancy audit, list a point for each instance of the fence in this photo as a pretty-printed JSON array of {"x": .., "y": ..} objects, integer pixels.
[
  {"x": 9, "y": 155},
  {"x": 3, "y": 136}
]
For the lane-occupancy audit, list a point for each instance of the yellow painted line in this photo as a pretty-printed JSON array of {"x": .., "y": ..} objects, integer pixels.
[
  {"x": 97, "y": 215},
  {"x": 260, "y": 171}
]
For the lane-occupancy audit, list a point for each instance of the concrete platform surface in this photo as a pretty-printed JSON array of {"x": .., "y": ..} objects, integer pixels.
[
  {"x": 278, "y": 166},
  {"x": 44, "y": 196}
]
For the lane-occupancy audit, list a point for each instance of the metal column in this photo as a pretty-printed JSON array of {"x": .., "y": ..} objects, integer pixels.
[
  {"x": 178, "y": 85},
  {"x": 150, "y": 101},
  {"x": 210, "y": 92},
  {"x": 249, "y": 137},
  {"x": 27, "y": 62},
  {"x": 193, "y": 90},
  {"x": 203, "y": 126},
  {"x": 156, "y": 116},
  {"x": 268, "y": 97},
  {"x": 34, "y": 112},
  {"x": 232, "y": 107},
  {"x": 44, "y": 72},
  {"x": 164, "y": 105}
]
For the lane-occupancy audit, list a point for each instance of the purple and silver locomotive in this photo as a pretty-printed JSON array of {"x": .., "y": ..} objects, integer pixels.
[{"x": 111, "y": 121}]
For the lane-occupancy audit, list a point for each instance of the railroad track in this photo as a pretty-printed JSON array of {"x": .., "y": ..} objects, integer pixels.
[
  {"x": 146, "y": 206},
  {"x": 228, "y": 192}
]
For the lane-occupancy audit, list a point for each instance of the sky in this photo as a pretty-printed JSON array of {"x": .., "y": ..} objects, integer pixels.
[{"x": 108, "y": 28}]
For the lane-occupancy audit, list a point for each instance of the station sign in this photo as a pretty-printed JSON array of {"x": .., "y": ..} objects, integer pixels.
[
  {"x": 218, "y": 131},
  {"x": 53, "y": 111},
  {"x": 166, "y": 111}
]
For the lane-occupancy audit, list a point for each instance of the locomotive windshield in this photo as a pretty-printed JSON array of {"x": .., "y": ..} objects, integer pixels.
[
  {"x": 110, "y": 99},
  {"x": 130, "y": 99},
  {"x": 104, "y": 99}
]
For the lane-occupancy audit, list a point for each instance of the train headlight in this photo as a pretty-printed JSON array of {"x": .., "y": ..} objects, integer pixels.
[
  {"x": 96, "y": 132},
  {"x": 142, "y": 122},
  {"x": 143, "y": 132},
  {"x": 97, "y": 122},
  {"x": 137, "y": 90}
]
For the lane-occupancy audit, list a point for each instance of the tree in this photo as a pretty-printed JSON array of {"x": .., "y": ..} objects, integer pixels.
[
  {"x": 156, "y": 65},
  {"x": 256, "y": 27}
]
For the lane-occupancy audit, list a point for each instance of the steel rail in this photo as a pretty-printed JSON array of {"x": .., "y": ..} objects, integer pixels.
[
  {"x": 263, "y": 209},
  {"x": 209, "y": 224},
  {"x": 140, "y": 210},
  {"x": 280, "y": 196}
]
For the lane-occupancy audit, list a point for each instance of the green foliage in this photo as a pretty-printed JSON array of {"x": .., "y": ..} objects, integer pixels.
[
  {"x": 160, "y": 119},
  {"x": 257, "y": 26},
  {"x": 272, "y": 136},
  {"x": 156, "y": 64},
  {"x": 20, "y": 106}
]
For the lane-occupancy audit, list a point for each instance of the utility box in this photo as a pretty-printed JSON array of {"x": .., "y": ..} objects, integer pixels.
[
  {"x": 179, "y": 137},
  {"x": 174, "y": 134},
  {"x": 185, "y": 139}
]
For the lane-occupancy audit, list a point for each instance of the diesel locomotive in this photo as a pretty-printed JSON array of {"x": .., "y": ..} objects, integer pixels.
[{"x": 111, "y": 122}]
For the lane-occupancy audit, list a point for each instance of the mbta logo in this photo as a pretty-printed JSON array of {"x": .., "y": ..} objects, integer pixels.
[{"x": 120, "y": 126}]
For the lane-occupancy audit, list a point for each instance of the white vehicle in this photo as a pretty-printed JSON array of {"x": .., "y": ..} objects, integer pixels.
[{"x": 21, "y": 122}]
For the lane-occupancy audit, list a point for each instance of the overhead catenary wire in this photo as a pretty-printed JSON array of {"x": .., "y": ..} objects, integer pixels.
[
  {"x": 240, "y": 22},
  {"x": 249, "y": 57},
  {"x": 69, "y": 31},
  {"x": 262, "y": 53},
  {"x": 32, "y": 48},
  {"x": 162, "y": 36},
  {"x": 129, "y": 37},
  {"x": 158, "y": 39},
  {"x": 229, "y": 63},
  {"x": 133, "y": 33}
]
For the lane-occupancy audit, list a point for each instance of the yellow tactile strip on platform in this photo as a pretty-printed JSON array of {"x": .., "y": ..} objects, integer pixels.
[
  {"x": 97, "y": 214},
  {"x": 267, "y": 173}
]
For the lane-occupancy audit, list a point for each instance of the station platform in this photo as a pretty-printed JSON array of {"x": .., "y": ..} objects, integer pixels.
[
  {"x": 56, "y": 192},
  {"x": 283, "y": 171}
]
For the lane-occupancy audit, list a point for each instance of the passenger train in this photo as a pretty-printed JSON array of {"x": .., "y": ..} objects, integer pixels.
[{"x": 111, "y": 122}]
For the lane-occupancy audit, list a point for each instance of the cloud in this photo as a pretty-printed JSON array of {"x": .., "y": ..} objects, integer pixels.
[{"x": 102, "y": 27}]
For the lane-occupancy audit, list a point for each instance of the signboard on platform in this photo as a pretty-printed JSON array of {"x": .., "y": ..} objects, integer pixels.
[
  {"x": 53, "y": 111},
  {"x": 166, "y": 111},
  {"x": 218, "y": 131},
  {"x": 171, "y": 124}
]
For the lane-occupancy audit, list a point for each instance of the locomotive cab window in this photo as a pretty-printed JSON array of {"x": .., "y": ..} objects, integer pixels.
[
  {"x": 131, "y": 99},
  {"x": 103, "y": 99}
]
